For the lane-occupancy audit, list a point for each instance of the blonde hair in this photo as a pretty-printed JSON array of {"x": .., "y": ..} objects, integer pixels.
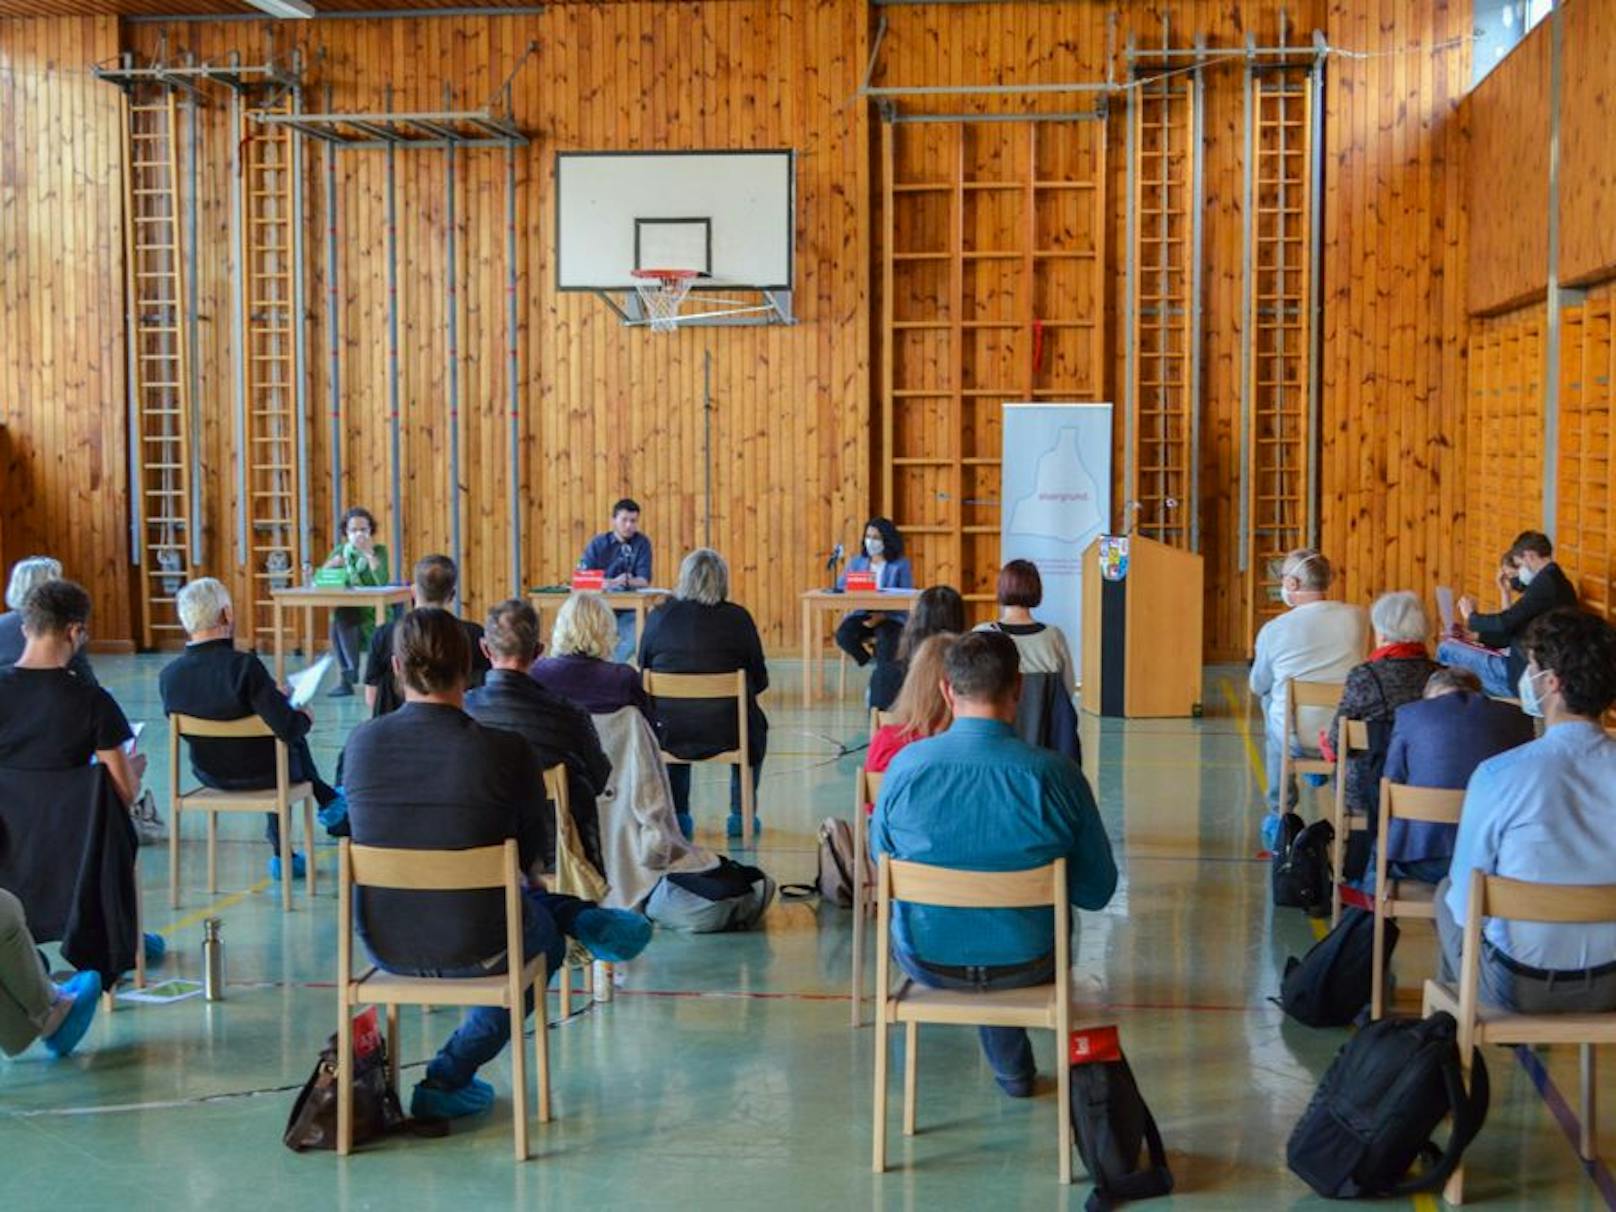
[
  {"x": 703, "y": 577},
  {"x": 25, "y": 574},
  {"x": 920, "y": 709},
  {"x": 585, "y": 626}
]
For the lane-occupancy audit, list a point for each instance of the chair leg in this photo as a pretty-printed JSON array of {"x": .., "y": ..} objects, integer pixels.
[
  {"x": 344, "y": 1078},
  {"x": 878, "y": 1156},
  {"x": 541, "y": 1047},
  {"x": 858, "y": 927},
  {"x": 589, "y": 981},
  {"x": 1063, "y": 1114},
  {"x": 1377, "y": 973},
  {"x": 393, "y": 1044},
  {"x": 174, "y": 858},
  {"x": 1588, "y": 1147},
  {"x": 841, "y": 677},
  {"x": 213, "y": 853},
  {"x": 748, "y": 805},
  {"x": 1337, "y": 855},
  {"x": 1453, "y": 1193},
  {"x": 308, "y": 840},
  {"x": 286, "y": 859},
  {"x": 519, "y": 1075},
  {"x": 565, "y": 978},
  {"x": 911, "y": 1069}
]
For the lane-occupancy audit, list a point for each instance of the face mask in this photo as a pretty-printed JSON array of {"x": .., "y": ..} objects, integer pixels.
[
  {"x": 1287, "y": 596},
  {"x": 874, "y": 546},
  {"x": 1524, "y": 575},
  {"x": 1527, "y": 687}
]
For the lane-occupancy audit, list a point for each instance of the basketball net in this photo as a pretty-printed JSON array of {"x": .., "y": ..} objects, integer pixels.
[{"x": 661, "y": 292}]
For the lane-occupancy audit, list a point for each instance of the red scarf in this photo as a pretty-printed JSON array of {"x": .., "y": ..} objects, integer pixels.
[{"x": 1399, "y": 652}]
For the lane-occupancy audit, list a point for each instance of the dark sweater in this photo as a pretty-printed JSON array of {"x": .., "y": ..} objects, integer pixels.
[
  {"x": 559, "y": 732},
  {"x": 429, "y": 777},
  {"x": 683, "y": 636},
  {"x": 214, "y": 681},
  {"x": 599, "y": 687},
  {"x": 1373, "y": 693},
  {"x": 1549, "y": 590}
]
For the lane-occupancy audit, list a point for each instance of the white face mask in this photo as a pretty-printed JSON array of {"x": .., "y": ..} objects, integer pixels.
[
  {"x": 1287, "y": 595},
  {"x": 1524, "y": 575},
  {"x": 874, "y": 546},
  {"x": 1527, "y": 688}
]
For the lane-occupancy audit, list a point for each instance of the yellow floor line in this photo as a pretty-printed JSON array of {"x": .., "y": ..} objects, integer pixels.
[
  {"x": 1253, "y": 754},
  {"x": 224, "y": 902},
  {"x": 1425, "y": 1202}
]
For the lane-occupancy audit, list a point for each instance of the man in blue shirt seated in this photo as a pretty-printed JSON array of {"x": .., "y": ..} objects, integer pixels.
[
  {"x": 624, "y": 555},
  {"x": 977, "y": 797},
  {"x": 1543, "y": 812}
]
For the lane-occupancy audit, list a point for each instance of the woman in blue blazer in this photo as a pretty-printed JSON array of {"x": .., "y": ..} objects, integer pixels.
[{"x": 864, "y": 633}]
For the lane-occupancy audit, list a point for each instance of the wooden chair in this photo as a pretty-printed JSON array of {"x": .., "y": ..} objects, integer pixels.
[
  {"x": 574, "y": 876},
  {"x": 1479, "y": 1025},
  {"x": 866, "y": 787},
  {"x": 277, "y": 800},
  {"x": 714, "y": 686},
  {"x": 1299, "y": 694},
  {"x": 1404, "y": 898},
  {"x": 1042, "y": 1006},
  {"x": 439, "y": 871},
  {"x": 1354, "y": 738}
]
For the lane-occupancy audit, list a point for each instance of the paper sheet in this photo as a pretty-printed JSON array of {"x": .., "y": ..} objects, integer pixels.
[
  {"x": 137, "y": 728},
  {"x": 1444, "y": 607},
  {"x": 307, "y": 683},
  {"x": 162, "y": 994}
]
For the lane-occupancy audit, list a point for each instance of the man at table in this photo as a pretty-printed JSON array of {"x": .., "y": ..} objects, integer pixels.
[{"x": 624, "y": 555}]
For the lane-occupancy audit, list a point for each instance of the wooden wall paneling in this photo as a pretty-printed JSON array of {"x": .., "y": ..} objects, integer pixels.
[
  {"x": 1583, "y": 527},
  {"x": 1587, "y": 201}
]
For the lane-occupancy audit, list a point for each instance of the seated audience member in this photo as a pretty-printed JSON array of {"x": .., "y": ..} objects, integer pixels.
[
  {"x": 429, "y": 777},
  {"x": 1542, "y": 812},
  {"x": 1438, "y": 741},
  {"x": 31, "y": 1005},
  {"x": 214, "y": 680},
  {"x": 364, "y": 563},
  {"x": 866, "y": 633},
  {"x": 25, "y": 574},
  {"x": 434, "y": 583},
  {"x": 1315, "y": 640},
  {"x": 980, "y": 798},
  {"x": 1041, "y": 646},
  {"x": 559, "y": 732},
  {"x": 1395, "y": 673},
  {"x": 699, "y": 631},
  {"x": 936, "y": 610},
  {"x": 50, "y": 719},
  {"x": 581, "y": 668},
  {"x": 1543, "y": 587},
  {"x": 921, "y": 710}
]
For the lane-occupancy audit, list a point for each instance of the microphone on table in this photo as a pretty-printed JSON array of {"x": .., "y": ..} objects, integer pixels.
[{"x": 836, "y": 555}]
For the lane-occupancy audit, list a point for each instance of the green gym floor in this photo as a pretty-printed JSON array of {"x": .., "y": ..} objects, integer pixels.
[{"x": 725, "y": 1072}]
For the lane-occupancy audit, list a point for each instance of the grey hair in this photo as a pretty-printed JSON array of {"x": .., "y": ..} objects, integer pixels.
[
  {"x": 202, "y": 604},
  {"x": 1398, "y": 618},
  {"x": 1449, "y": 680},
  {"x": 1311, "y": 570},
  {"x": 25, "y": 574},
  {"x": 584, "y": 626},
  {"x": 703, "y": 577}
]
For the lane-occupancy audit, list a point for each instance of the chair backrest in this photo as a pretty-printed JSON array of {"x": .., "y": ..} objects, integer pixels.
[
  {"x": 1300, "y": 693},
  {"x": 1436, "y": 805},
  {"x": 924, "y": 884},
  {"x": 696, "y": 685},
  {"x": 1525, "y": 901},
  {"x": 575, "y": 874},
  {"x": 1354, "y": 736},
  {"x": 869, "y": 785},
  {"x": 246, "y": 726},
  {"x": 433, "y": 870},
  {"x": 880, "y": 719}
]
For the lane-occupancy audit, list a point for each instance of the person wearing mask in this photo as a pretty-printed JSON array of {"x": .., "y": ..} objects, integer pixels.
[
  {"x": 580, "y": 666},
  {"x": 978, "y": 797},
  {"x": 699, "y": 630},
  {"x": 1543, "y": 587},
  {"x": 434, "y": 582},
  {"x": 32, "y": 1006},
  {"x": 429, "y": 777},
  {"x": 623, "y": 553},
  {"x": 25, "y": 574},
  {"x": 936, "y": 610},
  {"x": 1315, "y": 640},
  {"x": 214, "y": 680},
  {"x": 1542, "y": 812},
  {"x": 559, "y": 732},
  {"x": 364, "y": 563},
  {"x": 1438, "y": 741},
  {"x": 864, "y": 634}
]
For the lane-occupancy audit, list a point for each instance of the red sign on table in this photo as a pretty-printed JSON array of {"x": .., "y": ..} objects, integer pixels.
[
  {"x": 861, "y": 582},
  {"x": 589, "y": 578}
]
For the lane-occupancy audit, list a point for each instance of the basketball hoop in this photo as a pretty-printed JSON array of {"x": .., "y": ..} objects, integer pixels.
[{"x": 661, "y": 291}]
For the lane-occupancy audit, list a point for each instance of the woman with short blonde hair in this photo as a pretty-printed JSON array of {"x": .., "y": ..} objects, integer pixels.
[
  {"x": 580, "y": 667},
  {"x": 585, "y": 626}
]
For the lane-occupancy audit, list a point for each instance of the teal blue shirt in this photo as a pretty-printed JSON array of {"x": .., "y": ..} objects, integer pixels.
[{"x": 978, "y": 797}]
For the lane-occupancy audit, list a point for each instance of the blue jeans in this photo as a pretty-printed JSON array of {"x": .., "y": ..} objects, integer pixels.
[
  {"x": 1272, "y": 759},
  {"x": 625, "y": 637},
  {"x": 1008, "y": 1049},
  {"x": 1490, "y": 667},
  {"x": 679, "y": 784},
  {"x": 546, "y": 918}
]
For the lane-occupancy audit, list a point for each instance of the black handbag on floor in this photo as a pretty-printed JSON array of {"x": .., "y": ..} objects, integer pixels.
[
  {"x": 376, "y": 1109},
  {"x": 1111, "y": 1124}
]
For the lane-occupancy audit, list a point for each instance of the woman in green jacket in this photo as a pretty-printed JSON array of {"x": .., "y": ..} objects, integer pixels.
[{"x": 364, "y": 562}]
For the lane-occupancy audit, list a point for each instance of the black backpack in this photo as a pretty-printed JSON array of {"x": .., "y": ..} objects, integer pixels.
[
  {"x": 1331, "y": 984},
  {"x": 1382, "y": 1097},
  {"x": 1111, "y": 1124},
  {"x": 1301, "y": 870}
]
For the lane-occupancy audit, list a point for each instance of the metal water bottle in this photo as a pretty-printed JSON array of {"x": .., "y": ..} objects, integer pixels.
[{"x": 212, "y": 961}]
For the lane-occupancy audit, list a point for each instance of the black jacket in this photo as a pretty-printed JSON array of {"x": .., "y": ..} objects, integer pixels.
[
  {"x": 1549, "y": 590},
  {"x": 429, "y": 777},
  {"x": 683, "y": 636},
  {"x": 558, "y": 731},
  {"x": 67, "y": 852},
  {"x": 213, "y": 680}
]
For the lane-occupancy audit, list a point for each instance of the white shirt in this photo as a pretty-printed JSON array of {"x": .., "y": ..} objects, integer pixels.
[
  {"x": 1546, "y": 812},
  {"x": 1314, "y": 642},
  {"x": 1043, "y": 651}
]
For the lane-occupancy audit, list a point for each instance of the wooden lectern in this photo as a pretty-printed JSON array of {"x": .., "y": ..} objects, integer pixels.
[{"x": 1142, "y": 634}]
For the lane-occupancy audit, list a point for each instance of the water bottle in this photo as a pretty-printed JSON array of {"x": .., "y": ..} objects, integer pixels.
[{"x": 212, "y": 961}]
